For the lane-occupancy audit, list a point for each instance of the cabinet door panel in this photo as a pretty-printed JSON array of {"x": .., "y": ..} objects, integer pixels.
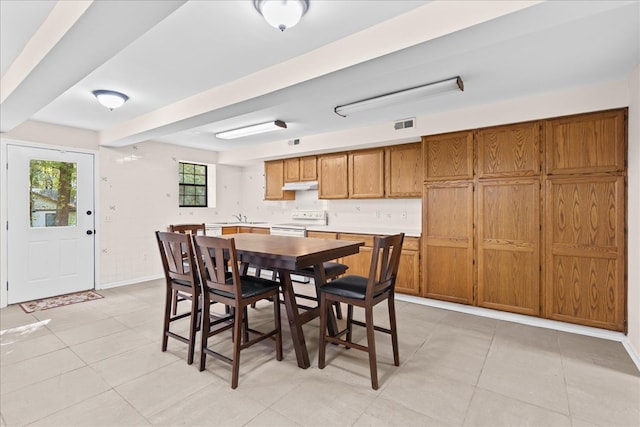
[
  {"x": 404, "y": 170},
  {"x": 408, "y": 280},
  {"x": 366, "y": 174},
  {"x": 509, "y": 245},
  {"x": 448, "y": 156},
  {"x": 594, "y": 142},
  {"x": 360, "y": 263},
  {"x": 512, "y": 150},
  {"x": 308, "y": 168},
  {"x": 292, "y": 170},
  {"x": 448, "y": 241},
  {"x": 274, "y": 180},
  {"x": 333, "y": 176},
  {"x": 585, "y": 256}
]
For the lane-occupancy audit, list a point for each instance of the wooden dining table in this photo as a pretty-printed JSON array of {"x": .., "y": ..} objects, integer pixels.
[{"x": 285, "y": 254}]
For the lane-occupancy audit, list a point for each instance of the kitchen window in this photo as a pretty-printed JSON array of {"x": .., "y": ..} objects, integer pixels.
[{"x": 192, "y": 185}]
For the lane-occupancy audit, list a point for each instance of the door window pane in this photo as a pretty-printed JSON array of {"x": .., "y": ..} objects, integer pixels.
[{"x": 53, "y": 189}]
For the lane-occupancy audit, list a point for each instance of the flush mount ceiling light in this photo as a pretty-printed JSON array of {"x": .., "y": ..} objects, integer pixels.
[
  {"x": 252, "y": 130},
  {"x": 282, "y": 14},
  {"x": 110, "y": 98},
  {"x": 405, "y": 95}
]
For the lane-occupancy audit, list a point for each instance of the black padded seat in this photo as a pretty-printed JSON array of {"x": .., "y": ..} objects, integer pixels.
[
  {"x": 349, "y": 286},
  {"x": 331, "y": 270},
  {"x": 251, "y": 286}
]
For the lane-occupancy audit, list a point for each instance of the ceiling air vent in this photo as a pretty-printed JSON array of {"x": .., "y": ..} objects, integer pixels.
[{"x": 404, "y": 124}]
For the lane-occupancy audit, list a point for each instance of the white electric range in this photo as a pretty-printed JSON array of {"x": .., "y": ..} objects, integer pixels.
[{"x": 300, "y": 220}]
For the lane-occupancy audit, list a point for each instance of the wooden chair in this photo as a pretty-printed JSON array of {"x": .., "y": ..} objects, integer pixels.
[
  {"x": 332, "y": 270},
  {"x": 238, "y": 292},
  {"x": 194, "y": 230},
  {"x": 180, "y": 272},
  {"x": 365, "y": 292}
]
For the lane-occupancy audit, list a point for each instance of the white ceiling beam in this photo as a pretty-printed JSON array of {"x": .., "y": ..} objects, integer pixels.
[
  {"x": 68, "y": 36},
  {"x": 422, "y": 24}
]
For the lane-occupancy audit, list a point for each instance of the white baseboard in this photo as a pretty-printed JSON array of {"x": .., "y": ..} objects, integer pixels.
[
  {"x": 528, "y": 320},
  {"x": 129, "y": 282}
]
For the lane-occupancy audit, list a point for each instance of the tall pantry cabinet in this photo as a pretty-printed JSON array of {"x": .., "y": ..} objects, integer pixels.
[
  {"x": 530, "y": 218},
  {"x": 585, "y": 219}
]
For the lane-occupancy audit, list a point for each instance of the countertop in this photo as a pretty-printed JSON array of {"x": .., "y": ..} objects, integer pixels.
[{"x": 370, "y": 229}]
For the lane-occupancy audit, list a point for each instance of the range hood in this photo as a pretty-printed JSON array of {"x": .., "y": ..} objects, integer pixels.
[{"x": 300, "y": 186}]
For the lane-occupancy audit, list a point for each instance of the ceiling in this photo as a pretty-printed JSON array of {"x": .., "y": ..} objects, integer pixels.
[{"x": 194, "y": 68}]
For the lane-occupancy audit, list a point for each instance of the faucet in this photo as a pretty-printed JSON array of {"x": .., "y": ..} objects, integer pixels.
[{"x": 239, "y": 217}]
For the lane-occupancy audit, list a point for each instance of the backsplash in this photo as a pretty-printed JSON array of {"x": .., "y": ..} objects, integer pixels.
[{"x": 358, "y": 213}]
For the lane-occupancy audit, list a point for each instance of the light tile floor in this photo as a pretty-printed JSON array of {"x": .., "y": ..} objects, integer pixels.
[{"x": 99, "y": 364}]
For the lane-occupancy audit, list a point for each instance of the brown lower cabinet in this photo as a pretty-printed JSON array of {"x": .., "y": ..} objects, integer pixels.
[
  {"x": 408, "y": 280},
  {"x": 256, "y": 230}
]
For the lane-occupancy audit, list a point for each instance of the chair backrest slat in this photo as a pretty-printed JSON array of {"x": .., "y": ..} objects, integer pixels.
[
  {"x": 193, "y": 229},
  {"x": 178, "y": 260},
  {"x": 216, "y": 255},
  {"x": 384, "y": 264}
]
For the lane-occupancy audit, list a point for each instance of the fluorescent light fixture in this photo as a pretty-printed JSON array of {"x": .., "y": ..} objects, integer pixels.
[
  {"x": 252, "y": 130},
  {"x": 110, "y": 98},
  {"x": 405, "y": 95},
  {"x": 282, "y": 14}
]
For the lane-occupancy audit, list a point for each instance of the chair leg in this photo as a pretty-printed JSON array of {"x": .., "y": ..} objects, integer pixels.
[
  {"x": 174, "y": 303},
  {"x": 338, "y": 310},
  {"x": 323, "y": 331},
  {"x": 371, "y": 347},
  {"x": 167, "y": 317},
  {"x": 394, "y": 330},
  {"x": 245, "y": 324},
  {"x": 204, "y": 329},
  {"x": 349, "y": 323},
  {"x": 278, "y": 324},
  {"x": 237, "y": 340},
  {"x": 193, "y": 327}
]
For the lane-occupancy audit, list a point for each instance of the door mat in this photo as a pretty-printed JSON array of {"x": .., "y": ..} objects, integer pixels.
[{"x": 59, "y": 301}]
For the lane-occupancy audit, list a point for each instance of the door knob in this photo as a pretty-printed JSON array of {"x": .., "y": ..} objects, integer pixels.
[{"x": 89, "y": 232}]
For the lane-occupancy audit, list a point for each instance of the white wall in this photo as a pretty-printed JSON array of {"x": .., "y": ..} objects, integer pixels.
[{"x": 633, "y": 215}]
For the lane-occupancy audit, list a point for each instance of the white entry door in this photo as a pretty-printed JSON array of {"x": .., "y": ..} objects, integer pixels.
[{"x": 50, "y": 230}]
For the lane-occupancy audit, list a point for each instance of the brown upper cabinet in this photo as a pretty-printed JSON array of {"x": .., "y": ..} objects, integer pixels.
[
  {"x": 586, "y": 143},
  {"x": 403, "y": 170},
  {"x": 300, "y": 169},
  {"x": 274, "y": 180},
  {"x": 308, "y": 168},
  {"x": 509, "y": 151},
  {"x": 448, "y": 156},
  {"x": 292, "y": 169},
  {"x": 366, "y": 174},
  {"x": 333, "y": 176}
]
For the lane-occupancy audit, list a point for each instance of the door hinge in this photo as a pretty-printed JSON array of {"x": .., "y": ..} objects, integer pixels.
[{"x": 7, "y": 286}]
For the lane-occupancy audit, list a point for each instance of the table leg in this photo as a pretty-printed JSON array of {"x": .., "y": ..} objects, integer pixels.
[
  {"x": 293, "y": 316},
  {"x": 320, "y": 279}
]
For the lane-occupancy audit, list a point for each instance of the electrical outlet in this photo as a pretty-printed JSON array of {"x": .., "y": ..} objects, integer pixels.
[
  {"x": 377, "y": 214},
  {"x": 404, "y": 215}
]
